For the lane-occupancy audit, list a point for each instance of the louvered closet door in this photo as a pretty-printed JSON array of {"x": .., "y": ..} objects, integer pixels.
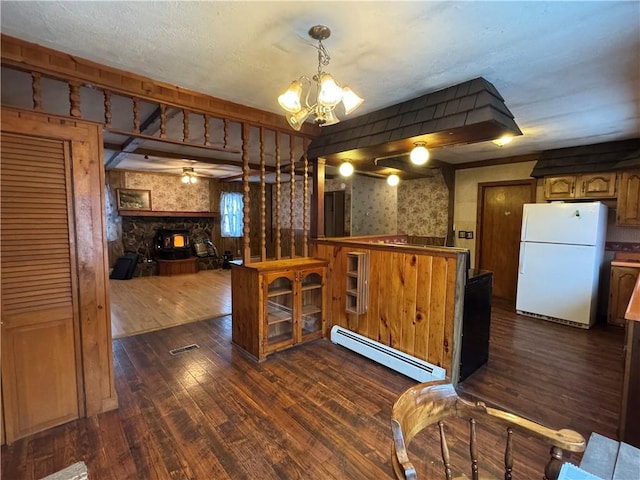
[{"x": 39, "y": 364}]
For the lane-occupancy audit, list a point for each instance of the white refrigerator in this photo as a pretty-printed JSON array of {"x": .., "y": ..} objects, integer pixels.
[{"x": 561, "y": 252}]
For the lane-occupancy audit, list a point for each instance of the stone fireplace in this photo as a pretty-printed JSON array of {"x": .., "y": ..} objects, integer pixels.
[{"x": 140, "y": 234}]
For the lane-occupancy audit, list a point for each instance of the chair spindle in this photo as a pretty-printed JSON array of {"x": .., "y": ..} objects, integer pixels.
[
  {"x": 552, "y": 469},
  {"x": 445, "y": 451},
  {"x": 508, "y": 455},
  {"x": 473, "y": 449}
]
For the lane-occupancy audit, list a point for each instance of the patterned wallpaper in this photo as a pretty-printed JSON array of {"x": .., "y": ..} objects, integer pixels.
[
  {"x": 298, "y": 202},
  {"x": 423, "y": 206},
  {"x": 169, "y": 194},
  {"x": 336, "y": 184},
  {"x": 373, "y": 207}
]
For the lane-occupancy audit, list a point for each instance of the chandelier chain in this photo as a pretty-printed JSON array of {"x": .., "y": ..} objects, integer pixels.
[{"x": 323, "y": 56}]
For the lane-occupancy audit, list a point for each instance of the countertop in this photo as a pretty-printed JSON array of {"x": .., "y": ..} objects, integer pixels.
[
  {"x": 625, "y": 263},
  {"x": 633, "y": 309}
]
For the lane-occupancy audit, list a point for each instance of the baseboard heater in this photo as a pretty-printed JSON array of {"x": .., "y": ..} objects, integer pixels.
[{"x": 394, "y": 359}]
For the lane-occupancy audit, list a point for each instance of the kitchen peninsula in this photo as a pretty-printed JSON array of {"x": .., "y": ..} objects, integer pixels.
[{"x": 629, "y": 428}]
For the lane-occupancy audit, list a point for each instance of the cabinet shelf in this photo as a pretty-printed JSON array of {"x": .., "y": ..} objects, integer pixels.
[
  {"x": 279, "y": 291},
  {"x": 357, "y": 295},
  {"x": 274, "y": 318},
  {"x": 284, "y": 337},
  {"x": 311, "y": 310},
  {"x": 311, "y": 287}
]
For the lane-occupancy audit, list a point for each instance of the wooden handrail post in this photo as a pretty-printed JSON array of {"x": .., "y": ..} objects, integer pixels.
[
  {"x": 317, "y": 199},
  {"x": 246, "y": 252}
]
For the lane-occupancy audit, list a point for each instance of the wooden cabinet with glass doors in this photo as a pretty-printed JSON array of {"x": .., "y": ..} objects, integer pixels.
[{"x": 277, "y": 304}]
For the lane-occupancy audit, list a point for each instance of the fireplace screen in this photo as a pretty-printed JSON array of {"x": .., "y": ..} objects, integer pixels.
[{"x": 172, "y": 244}]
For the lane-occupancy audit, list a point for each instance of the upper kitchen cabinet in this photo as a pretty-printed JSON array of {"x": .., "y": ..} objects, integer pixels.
[
  {"x": 585, "y": 186},
  {"x": 628, "y": 206}
]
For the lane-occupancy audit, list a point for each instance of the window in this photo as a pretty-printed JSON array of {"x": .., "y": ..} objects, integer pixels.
[{"x": 231, "y": 212}]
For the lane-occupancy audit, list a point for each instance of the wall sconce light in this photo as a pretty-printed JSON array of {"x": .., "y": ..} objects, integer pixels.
[
  {"x": 346, "y": 169},
  {"x": 503, "y": 140},
  {"x": 189, "y": 175},
  {"x": 393, "y": 180},
  {"x": 419, "y": 155}
]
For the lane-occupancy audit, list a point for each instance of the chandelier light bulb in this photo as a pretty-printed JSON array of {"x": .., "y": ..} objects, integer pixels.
[
  {"x": 419, "y": 155},
  {"x": 393, "y": 180},
  {"x": 185, "y": 178},
  {"x": 193, "y": 179},
  {"x": 346, "y": 169},
  {"x": 290, "y": 100},
  {"x": 330, "y": 93},
  {"x": 350, "y": 100}
]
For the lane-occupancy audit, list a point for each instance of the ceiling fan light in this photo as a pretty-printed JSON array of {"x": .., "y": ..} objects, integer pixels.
[
  {"x": 193, "y": 179},
  {"x": 346, "y": 169},
  {"x": 393, "y": 180},
  {"x": 290, "y": 100},
  {"x": 330, "y": 94},
  {"x": 185, "y": 178},
  {"x": 350, "y": 100},
  {"x": 295, "y": 120},
  {"x": 419, "y": 155}
]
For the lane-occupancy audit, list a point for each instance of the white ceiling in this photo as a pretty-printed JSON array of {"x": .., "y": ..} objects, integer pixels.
[{"x": 568, "y": 71}]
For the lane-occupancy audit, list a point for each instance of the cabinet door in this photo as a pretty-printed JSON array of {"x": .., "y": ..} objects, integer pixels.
[
  {"x": 311, "y": 302},
  {"x": 559, "y": 187},
  {"x": 38, "y": 300},
  {"x": 279, "y": 296},
  {"x": 597, "y": 185},
  {"x": 623, "y": 281},
  {"x": 628, "y": 206}
]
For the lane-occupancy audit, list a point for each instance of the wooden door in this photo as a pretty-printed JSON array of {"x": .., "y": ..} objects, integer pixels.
[
  {"x": 334, "y": 214},
  {"x": 38, "y": 299},
  {"x": 499, "y": 224}
]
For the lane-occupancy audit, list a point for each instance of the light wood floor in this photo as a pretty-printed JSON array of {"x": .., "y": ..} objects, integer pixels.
[{"x": 146, "y": 304}]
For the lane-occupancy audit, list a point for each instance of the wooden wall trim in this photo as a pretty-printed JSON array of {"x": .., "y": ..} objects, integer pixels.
[
  {"x": 31, "y": 57},
  {"x": 436, "y": 251},
  {"x": 531, "y": 157},
  {"x": 90, "y": 245}
]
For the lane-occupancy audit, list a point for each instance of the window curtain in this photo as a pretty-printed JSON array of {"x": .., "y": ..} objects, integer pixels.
[{"x": 231, "y": 214}]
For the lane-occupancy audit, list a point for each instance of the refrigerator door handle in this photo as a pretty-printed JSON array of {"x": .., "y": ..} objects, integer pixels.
[
  {"x": 525, "y": 223},
  {"x": 522, "y": 256}
]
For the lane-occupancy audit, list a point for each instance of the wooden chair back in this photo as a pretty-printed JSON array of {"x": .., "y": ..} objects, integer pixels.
[{"x": 432, "y": 403}]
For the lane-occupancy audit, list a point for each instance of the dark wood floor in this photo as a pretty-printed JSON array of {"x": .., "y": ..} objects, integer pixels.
[{"x": 315, "y": 411}]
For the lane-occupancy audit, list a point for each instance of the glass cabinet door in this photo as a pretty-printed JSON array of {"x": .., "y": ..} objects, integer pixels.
[
  {"x": 279, "y": 310},
  {"x": 311, "y": 292}
]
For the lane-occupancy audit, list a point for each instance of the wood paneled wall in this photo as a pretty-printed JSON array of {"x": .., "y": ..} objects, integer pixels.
[{"x": 415, "y": 298}]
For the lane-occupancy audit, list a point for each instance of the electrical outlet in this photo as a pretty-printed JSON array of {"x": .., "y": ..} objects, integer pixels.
[
  {"x": 469, "y": 235},
  {"x": 462, "y": 234}
]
